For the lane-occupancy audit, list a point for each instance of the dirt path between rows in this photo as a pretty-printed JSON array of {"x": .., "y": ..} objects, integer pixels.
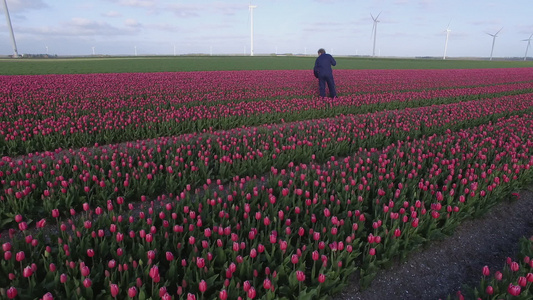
[{"x": 442, "y": 267}]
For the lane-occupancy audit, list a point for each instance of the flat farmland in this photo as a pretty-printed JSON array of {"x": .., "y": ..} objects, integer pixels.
[{"x": 229, "y": 178}]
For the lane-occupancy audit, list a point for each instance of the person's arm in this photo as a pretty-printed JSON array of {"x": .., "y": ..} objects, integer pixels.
[
  {"x": 315, "y": 69},
  {"x": 333, "y": 62}
]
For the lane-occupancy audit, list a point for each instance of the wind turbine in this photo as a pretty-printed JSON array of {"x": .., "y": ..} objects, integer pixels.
[
  {"x": 251, "y": 7},
  {"x": 374, "y": 32},
  {"x": 528, "y": 44},
  {"x": 15, "y": 53},
  {"x": 447, "y": 36},
  {"x": 494, "y": 36}
]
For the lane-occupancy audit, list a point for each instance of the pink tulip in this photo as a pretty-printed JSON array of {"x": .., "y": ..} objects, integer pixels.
[
  {"x": 486, "y": 271},
  {"x": 27, "y": 272},
  {"x": 202, "y": 286},
  {"x": 85, "y": 271},
  {"x": 200, "y": 262},
  {"x": 498, "y": 275},
  {"x": 132, "y": 292},
  {"x": 513, "y": 290},
  {"x": 48, "y": 296},
  {"x": 522, "y": 281},
  {"x": 20, "y": 256},
  {"x": 23, "y": 226},
  {"x": 321, "y": 278},
  {"x": 87, "y": 283},
  {"x": 11, "y": 293},
  {"x": 154, "y": 272},
  {"x": 489, "y": 290},
  {"x": 114, "y": 290},
  {"x": 6, "y": 246},
  {"x": 300, "y": 275}
]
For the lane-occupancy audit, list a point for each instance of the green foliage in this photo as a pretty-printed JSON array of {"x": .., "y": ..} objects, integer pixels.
[{"x": 216, "y": 63}]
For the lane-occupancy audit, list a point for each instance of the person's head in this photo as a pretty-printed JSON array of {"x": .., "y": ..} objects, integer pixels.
[{"x": 321, "y": 51}]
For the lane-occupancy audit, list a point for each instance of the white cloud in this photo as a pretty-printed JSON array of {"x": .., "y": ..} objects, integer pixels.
[{"x": 112, "y": 14}]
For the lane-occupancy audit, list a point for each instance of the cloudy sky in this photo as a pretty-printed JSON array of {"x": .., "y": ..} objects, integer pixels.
[{"x": 343, "y": 27}]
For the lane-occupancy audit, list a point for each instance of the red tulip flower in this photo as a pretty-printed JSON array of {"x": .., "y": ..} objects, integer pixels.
[
  {"x": 11, "y": 293},
  {"x": 202, "y": 286},
  {"x": 169, "y": 256},
  {"x": 20, "y": 256},
  {"x": 132, "y": 292},
  {"x": 87, "y": 283},
  {"x": 321, "y": 278},
  {"x": 6, "y": 246},
  {"x": 294, "y": 259},
  {"x": 489, "y": 290},
  {"x": 251, "y": 293},
  {"x": 154, "y": 272},
  {"x": 200, "y": 262},
  {"x": 522, "y": 281},
  {"x": 223, "y": 295},
  {"x": 498, "y": 275},
  {"x": 300, "y": 275},
  {"x": 514, "y": 290},
  {"x": 27, "y": 272},
  {"x": 48, "y": 296},
  {"x": 114, "y": 290},
  {"x": 23, "y": 226},
  {"x": 486, "y": 271}
]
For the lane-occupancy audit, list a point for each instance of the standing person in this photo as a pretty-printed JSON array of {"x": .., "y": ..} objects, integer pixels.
[{"x": 324, "y": 73}]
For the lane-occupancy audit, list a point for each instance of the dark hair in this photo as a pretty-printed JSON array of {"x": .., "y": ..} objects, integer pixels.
[{"x": 321, "y": 51}]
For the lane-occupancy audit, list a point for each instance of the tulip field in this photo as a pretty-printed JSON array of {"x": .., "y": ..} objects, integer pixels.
[{"x": 246, "y": 184}]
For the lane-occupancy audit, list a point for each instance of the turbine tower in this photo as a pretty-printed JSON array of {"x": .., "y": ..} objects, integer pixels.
[
  {"x": 446, "y": 43},
  {"x": 528, "y": 44},
  {"x": 251, "y": 7},
  {"x": 374, "y": 32},
  {"x": 494, "y": 36},
  {"x": 15, "y": 53}
]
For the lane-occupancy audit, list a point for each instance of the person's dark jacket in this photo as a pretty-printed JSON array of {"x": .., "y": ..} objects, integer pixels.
[{"x": 323, "y": 65}]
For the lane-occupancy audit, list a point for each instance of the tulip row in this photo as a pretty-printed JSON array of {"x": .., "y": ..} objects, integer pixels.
[
  {"x": 73, "y": 93},
  {"x": 515, "y": 281},
  {"x": 298, "y": 232},
  {"x": 80, "y": 119},
  {"x": 38, "y": 183}
]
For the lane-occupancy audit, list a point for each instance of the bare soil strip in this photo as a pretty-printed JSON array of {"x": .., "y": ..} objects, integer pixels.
[{"x": 442, "y": 267}]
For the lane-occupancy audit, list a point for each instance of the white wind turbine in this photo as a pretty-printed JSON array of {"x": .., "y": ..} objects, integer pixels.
[
  {"x": 374, "y": 32},
  {"x": 446, "y": 43},
  {"x": 251, "y": 7},
  {"x": 15, "y": 53},
  {"x": 494, "y": 36},
  {"x": 528, "y": 45}
]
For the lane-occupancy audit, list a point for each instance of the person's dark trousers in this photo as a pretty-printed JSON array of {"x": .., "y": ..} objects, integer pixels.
[{"x": 322, "y": 80}]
